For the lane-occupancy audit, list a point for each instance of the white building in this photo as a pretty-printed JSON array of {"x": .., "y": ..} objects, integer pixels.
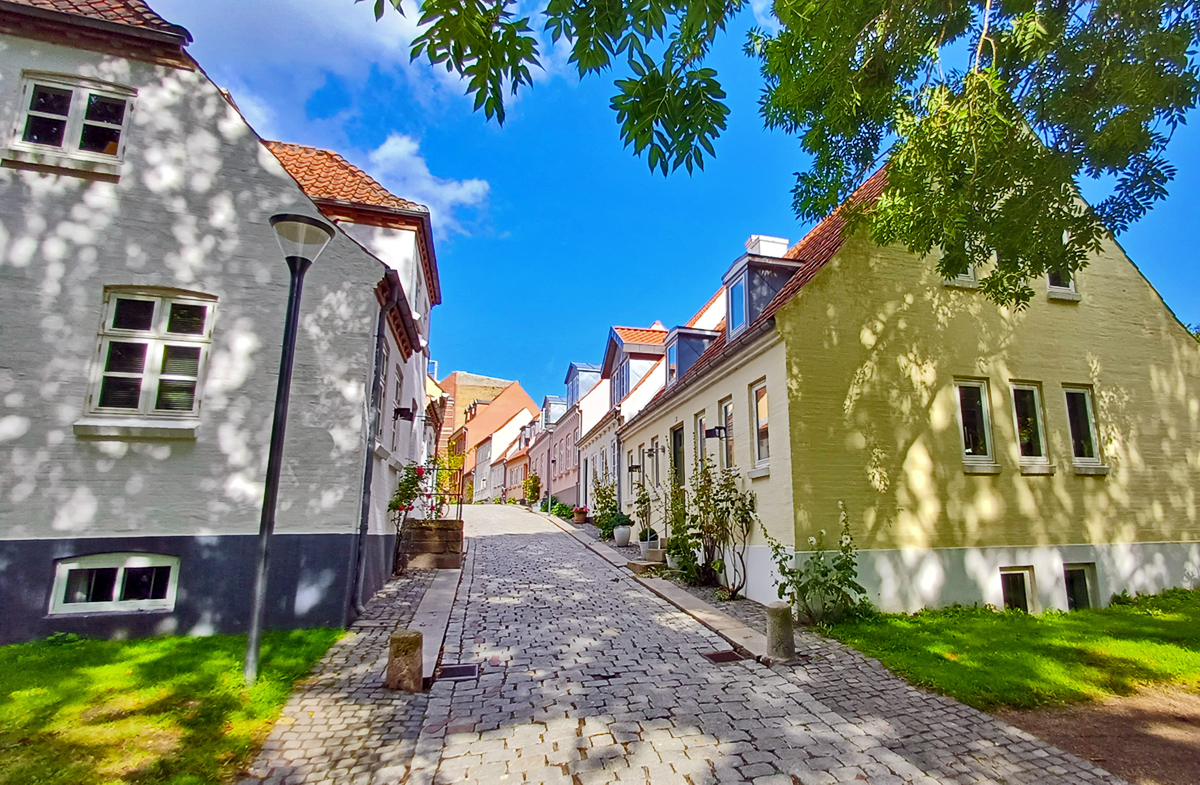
[{"x": 142, "y": 299}]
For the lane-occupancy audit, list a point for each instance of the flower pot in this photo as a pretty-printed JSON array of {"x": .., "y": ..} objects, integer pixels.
[
  {"x": 621, "y": 535},
  {"x": 672, "y": 562},
  {"x": 579, "y": 517},
  {"x": 647, "y": 546}
]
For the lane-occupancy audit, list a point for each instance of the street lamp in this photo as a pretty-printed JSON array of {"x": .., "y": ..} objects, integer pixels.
[{"x": 301, "y": 238}]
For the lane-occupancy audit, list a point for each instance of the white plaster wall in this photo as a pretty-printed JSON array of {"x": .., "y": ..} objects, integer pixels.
[
  {"x": 733, "y": 379},
  {"x": 712, "y": 315},
  {"x": 910, "y": 579},
  {"x": 483, "y": 476},
  {"x": 190, "y": 210},
  {"x": 652, "y": 381},
  {"x": 593, "y": 406},
  {"x": 592, "y": 448}
]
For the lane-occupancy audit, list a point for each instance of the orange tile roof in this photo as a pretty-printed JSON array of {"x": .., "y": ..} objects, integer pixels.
[
  {"x": 134, "y": 13},
  {"x": 641, "y": 335},
  {"x": 692, "y": 322},
  {"x": 323, "y": 174}
]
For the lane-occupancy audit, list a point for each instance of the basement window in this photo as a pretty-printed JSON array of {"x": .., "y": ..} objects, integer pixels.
[
  {"x": 115, "y": 582},
  {"x": 1016, "y": 584}
]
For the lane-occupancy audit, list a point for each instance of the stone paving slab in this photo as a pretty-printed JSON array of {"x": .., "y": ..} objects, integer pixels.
[
  {"x": 342, "y": 725},
  {"x": 433, "y": 617},
  {"x": 586, "y": 676},
  {"x": 729, "y": 628}
]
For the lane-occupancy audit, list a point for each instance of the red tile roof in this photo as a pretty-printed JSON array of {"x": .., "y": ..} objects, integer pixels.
[
  {"x": 323, "y": 174},
  {"x": 641, "y": 335},
  {"x": 134, "y": 13}
]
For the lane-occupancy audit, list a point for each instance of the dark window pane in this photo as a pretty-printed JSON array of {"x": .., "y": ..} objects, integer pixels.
[
  {"x": 1081, "y": 426},
  {"x": 124, "y": 357},
  {"x": 51, "y": 100},
  {"x": 176, "y": 396},
  {"x": 181, "y": 361},
  {"x": 134, "y": 315},
  {"x": 970, "y": 400},
  {"x": 105, "y": 110},
  {"x": 90, "y": 585},
  {"x": 44, "y": 130},
  {"x": 145, "y": 583},
  {"x": 1078, "y": 597},
  {"x": 1028, "y": 433},
  {"x": 760, "y": 408},
  {"x": 737, "y": 305},
  {"x": 99, "y": 139},
  {"x": 120, "y": 392},
  {"x": 729, "y": 459},
  {"x": 1060, "y": 280},
  {"x": 186, "y": 319},
  {"x": 1013, "y": 584}
]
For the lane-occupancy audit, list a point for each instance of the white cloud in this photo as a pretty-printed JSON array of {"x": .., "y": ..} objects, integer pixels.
[
  {"x": 400, "y": 167},
  {"x": 764, "y": 15}
]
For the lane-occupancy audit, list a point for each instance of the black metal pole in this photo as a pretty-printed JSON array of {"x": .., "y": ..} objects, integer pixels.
[{"x": 298, "y": 265}]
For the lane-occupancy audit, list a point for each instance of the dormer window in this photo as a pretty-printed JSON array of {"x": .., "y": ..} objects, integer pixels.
[
  {"x": 737, "y": 305},
  {"x": 672, "y": 363}
]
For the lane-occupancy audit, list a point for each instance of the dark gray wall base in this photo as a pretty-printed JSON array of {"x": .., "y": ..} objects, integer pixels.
[
  {"x": 307, "y": 586},
  {"x": 378, "y": 552}
]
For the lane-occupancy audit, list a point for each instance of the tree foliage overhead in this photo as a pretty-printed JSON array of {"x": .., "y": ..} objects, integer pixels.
[{"x": 988, "y": 113}]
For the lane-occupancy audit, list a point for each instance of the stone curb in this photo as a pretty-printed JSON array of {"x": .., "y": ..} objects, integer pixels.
[{"x": 737, "y": 633}]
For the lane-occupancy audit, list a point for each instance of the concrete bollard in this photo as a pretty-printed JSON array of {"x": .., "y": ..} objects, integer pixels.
[
  {"x": 404, "y": 661},
  {"x": 781, "y": 644}
]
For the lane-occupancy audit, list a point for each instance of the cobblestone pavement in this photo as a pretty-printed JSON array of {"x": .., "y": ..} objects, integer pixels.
[
  {"x": 588, "y": 677},
  {"x": 343, "y": 726}
]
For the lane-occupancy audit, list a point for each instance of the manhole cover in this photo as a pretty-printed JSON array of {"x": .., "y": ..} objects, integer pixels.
[
  {"x": 457, "y": 673},
  {"x": 725, "y": 655}
]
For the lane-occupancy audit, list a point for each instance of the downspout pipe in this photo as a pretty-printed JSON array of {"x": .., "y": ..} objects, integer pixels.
[{"x": 395, "y": 298}]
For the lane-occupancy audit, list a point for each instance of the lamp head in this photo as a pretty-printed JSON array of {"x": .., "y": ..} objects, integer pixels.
[{"x": 301, "y": 236}]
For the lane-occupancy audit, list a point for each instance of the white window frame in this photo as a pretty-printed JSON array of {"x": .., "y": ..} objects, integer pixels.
[
  {"x": 1027, "y": 574},
  {"x": 80, "y": 88},
  {"x": 1089, "y": 398},
  {"x": 699, "y": 425},
  {"x": 743, "y": 282},
  {"x": 1069, "y": 288},
  {"x": 982, "y": 385},
  {"x": 657, "y": 466},
  {"x": 728, "y": 456},
  {"x": 121, "y": 561},
  {"x": 759, "y": 461},
  {"x": 398, "y": 384},
  {"x": 968, "y": 280},
  {"x": 156, "y": 338},
  {"x": 672, "y": 362},
  {"x": 1036, "y": 388}
]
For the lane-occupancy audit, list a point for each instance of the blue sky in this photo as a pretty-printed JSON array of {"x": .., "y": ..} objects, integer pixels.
[{"x": 541, "y": 224}]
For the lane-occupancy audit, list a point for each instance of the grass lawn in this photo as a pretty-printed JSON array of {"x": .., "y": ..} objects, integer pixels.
[
  {"x": 145, "y": 711},
  {"x": 989, "y": 659}
]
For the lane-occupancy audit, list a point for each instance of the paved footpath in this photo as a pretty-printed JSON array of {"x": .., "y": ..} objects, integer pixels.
[{"x": 588, "y": 677}]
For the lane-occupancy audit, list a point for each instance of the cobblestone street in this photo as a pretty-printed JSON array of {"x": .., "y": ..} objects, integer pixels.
[{"x": 586, "y": 676}]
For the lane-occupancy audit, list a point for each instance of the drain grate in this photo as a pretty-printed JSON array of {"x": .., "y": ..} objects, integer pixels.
[
  {"x": 723, "y": 656},
  {"x": 457, "y": 673}
]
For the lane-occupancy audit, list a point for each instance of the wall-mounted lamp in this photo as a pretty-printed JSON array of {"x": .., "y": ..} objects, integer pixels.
[
  {"x": 714, "y": 433},
  {"x": 404, "y": 413}
]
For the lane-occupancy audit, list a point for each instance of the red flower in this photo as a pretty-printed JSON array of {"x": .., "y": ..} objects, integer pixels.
[{"x": 420, "y": 471}]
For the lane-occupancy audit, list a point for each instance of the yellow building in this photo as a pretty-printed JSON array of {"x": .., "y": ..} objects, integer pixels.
[{"x": 1041, "y": 458}]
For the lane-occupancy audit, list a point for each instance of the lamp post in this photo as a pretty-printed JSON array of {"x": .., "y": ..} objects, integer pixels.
[{"x": 301, "y": 238}]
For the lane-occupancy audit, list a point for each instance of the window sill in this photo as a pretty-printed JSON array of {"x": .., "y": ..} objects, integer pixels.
[
  {"x": 135, "y": 428},
  {"x": 981, "y": 468},
  {"x": 1037, "y": 468},
  {"x": 955, "y": 283},
  {"x": 67, "y": 164},
  {"x": 1091, "y": 470},
  {"x": 58, "y": 613},
  {"x": 1063, "y": 295},
  {"x": 759, "y": 473}
]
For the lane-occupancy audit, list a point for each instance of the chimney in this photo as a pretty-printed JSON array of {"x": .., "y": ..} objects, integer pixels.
[{"x": 765, "y": 245}]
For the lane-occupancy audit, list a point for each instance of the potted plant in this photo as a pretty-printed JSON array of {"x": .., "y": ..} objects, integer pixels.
[
  {"x": 579, "y": 515},
  {"x": 621, "y": 530},
  {"x": 647, "y": 541}
]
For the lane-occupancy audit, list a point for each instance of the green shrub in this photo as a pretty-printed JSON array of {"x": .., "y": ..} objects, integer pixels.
[
  {"x": 822, "y": 588},
  {"x": 562, "y": 510}
]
